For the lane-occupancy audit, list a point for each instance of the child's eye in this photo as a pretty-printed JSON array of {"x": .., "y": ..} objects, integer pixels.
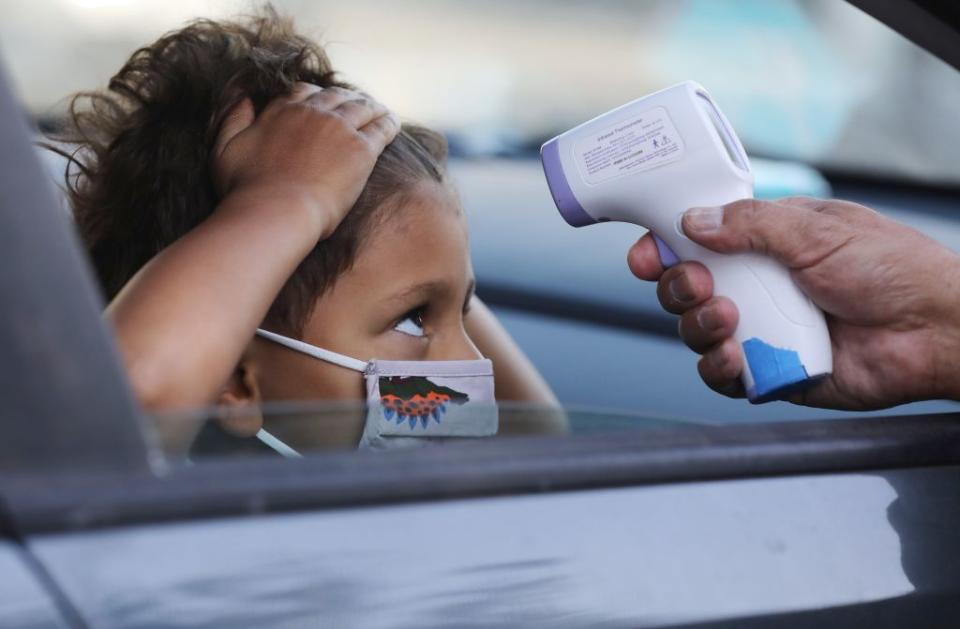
[{"x": 411, "y": 324}]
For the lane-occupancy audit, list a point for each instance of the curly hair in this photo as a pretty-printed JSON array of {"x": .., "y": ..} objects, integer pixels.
[{"x": 139, "y": 173}]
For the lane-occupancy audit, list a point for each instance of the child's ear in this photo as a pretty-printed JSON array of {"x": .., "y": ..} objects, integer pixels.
[{"x": 240, "y": 400}]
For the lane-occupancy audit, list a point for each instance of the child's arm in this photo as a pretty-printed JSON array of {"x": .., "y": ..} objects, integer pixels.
[
  {"x": 288, "y": 178},
  {"x": 517, "y": 380}
]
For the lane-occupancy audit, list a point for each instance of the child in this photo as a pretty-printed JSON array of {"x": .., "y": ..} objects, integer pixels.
[{"x": 226, "y": 181}]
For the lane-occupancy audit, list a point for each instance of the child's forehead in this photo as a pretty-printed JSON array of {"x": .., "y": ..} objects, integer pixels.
[
  {"x": 418, "y": 254},
  {"x": 424, "y": 233},
  {"x": 420, "y": 204}
]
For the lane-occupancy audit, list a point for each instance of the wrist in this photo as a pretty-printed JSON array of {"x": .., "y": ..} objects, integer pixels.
[
  {"x": 285, "y": 203},
  {"x": 946, "y": 338}
]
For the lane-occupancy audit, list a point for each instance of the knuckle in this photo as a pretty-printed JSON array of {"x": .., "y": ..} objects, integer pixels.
[
  {"x": 800, "y": 199},
  {"x": 360, "y": 145},
  {"x": 756, "y": 242},
  {"x": 370, "y": 148},
  {"x": 298, "y": 106},
  {"x": 381, "y": 124},
  {"x": 379, "y": 132},
  {"x": 742, "y": 206},
  {"x": 322, "y": 113},
  {"x": 347, "y": 107},
  {"x": 319, "y": 120},
  {"x": 817, "y": 228},
  {"x": 341, "y": 91},
  {"x": 830, "y": 207},
  {"x": 752, "y": 209},
  {"x": 851, "y": 212}
]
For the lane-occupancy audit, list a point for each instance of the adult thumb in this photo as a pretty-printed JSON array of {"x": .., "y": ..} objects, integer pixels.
[{"x": 787, "y": 230}]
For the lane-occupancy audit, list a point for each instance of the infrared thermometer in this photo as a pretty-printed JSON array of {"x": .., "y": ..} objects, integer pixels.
[{"x": 649, "y": 161}]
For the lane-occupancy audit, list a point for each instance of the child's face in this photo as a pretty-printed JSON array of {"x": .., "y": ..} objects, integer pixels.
[{"x": 403, "y": 299}]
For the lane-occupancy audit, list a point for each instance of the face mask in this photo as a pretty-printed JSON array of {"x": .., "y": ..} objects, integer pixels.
[{"x": 411, "y": 402}]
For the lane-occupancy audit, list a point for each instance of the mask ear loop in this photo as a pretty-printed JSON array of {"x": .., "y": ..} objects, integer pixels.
[
  {"x": 277, "y": 446},
  {"x": 314, "y": 351},
  {"x": 310, "y": 350}
]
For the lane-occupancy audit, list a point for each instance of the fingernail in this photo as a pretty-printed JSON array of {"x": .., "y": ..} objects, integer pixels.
[
  {"x": 703, "y": 219},
  {"x": 709, "y": 320},
  {"x": 680, "y": 289}
]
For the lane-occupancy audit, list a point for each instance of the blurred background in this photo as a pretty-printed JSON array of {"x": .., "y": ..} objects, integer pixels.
[
  {"x": 827, "y": 101},
  {"x": 812, "y": 80}
]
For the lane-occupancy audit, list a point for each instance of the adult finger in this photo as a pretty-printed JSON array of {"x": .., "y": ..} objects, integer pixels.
[
  {"x": 684, "y": 286},
  {"x": 643, "y": 259},
  {"x": 795, "y": 234},
  {"x": 720, "y": 368},
  {"x": 708, "y": 324}
]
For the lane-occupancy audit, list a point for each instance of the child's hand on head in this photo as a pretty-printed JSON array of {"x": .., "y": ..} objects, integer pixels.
[
  {"x": 317, "y": 145},
  {"x": 202, "y": 271}
]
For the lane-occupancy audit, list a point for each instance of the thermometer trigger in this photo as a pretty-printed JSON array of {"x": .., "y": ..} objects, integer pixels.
[{"x": 667, "y": 257}]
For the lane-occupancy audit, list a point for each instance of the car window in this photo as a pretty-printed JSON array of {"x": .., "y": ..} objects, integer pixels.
[
  {"x": 812, "y": 87},
  {"x": 296, "y": 429}
]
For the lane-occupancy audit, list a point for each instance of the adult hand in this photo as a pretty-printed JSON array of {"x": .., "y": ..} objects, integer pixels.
[{"x": 890, "y": 294}]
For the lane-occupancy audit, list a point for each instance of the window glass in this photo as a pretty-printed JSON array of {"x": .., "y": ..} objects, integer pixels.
[{"x": 293, "y": 430}]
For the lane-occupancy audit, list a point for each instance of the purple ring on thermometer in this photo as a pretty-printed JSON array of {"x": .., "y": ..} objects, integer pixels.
[
  {"x": 667, "y": 257},
  {"x": 570, "y": 208}
]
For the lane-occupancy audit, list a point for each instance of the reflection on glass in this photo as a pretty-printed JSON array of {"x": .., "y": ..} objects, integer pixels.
[{"x": 304, "y": 429}]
